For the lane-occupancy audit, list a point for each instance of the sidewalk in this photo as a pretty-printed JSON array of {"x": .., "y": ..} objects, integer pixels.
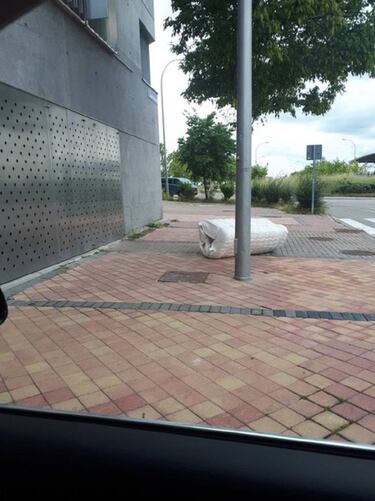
[{"x": 290, "y": 352}]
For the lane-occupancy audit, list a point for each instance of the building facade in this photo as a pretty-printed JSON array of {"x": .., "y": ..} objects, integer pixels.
[{"x": 79, "y": 148}]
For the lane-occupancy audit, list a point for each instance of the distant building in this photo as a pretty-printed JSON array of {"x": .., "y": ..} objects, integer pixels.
[
  {"x": 368, "y": 159},
  {"x": 79, "y": 147}
]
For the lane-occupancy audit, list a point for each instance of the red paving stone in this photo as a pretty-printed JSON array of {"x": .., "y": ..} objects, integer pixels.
[
  {"x": 302, "y": 377},
  {"x": 277, "y": 282},
  {"x": 193, "y": 386}
]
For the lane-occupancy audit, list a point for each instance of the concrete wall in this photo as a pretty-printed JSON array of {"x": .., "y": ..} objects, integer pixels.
[{"x": 50, "y": 55}]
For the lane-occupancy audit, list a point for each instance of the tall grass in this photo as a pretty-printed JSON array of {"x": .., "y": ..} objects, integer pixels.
[
  {"x": 304, "y": 193},
  {"x": 273, "y": 190},
  {"x": 344, "y": 184}
]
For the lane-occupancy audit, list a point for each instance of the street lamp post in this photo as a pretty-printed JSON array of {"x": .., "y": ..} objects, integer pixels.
[
  {"x": 163, "y": 125},
  {"x": 354, "y": 146},
  {"x": 244, "y": 114},
  {"x": 256, "y": 150}
]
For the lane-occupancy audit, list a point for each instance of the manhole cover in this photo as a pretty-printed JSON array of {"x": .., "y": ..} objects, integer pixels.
[
  {"x": 321, "y": 239},
  {"x": 358, "y": 252},
  {"x": 193, "y": 277},
  {"x": 347, "y": 230}
]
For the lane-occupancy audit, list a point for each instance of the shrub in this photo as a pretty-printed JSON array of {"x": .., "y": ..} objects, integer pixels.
[
  {"x": 227, "y": 189},
  {"x": 304, "y": 193},
  {"x": 257, "y": 190},
  {"x": 187, "y": 192},
  {"x": 258, "y": 172},
  {"x": 287, "y": 189},
  {"x": 272, "y": 190}
]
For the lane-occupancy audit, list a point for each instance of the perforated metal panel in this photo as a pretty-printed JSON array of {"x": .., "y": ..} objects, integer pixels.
[{"x": 60, "y": 184}]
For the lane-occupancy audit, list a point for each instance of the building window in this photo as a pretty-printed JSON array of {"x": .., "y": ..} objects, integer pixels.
[
  {"x": 94, "y": 12},
  {"x": 97, "y": 16},
  {"x": 145, "y": 40},
  {"x": 78, "y": 6}
]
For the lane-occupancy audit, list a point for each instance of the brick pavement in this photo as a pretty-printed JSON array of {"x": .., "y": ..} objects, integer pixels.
[
  {"x": 309, "y": 236},
  {"x": 279, "y": 283},
  {"x": 303, "y": 377}
]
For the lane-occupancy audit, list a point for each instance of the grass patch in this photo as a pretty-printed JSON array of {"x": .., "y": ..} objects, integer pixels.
[
  {"x": 135, "y": 235},
  {"x": 349, "y": 184}
]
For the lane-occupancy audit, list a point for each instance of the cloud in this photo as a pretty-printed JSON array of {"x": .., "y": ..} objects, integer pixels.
[{"x": 351, "y": 116}]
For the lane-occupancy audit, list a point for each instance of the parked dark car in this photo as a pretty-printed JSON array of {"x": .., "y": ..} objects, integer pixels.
[{"x": 176, "y": 183}]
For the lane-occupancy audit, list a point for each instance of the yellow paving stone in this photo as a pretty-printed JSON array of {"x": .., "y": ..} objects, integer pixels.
[
  {"x": 230, "y": 383},
  {"x": 206, "y": 409},
  {"x": 37, "y": 367},
  {"x": 309, "y": 429},
  {"x": 266, "y": 425},
  {"x": 73, "y": 405},
  {"x": 184, "y": 416},
  {"x": 107, "y": 381},
  {"x": 146, "y": 412},
  {"x": 283, "y": 379},
  {"x": 25, "y": 392},
  {"x": 330, "y": 420},
  {"x": 318, "y": 381},
  {"x": 93, "y": 399},
  {"x": 5, "y": 398}
]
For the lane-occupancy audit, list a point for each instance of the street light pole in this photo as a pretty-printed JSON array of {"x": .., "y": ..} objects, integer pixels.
[
  {"x": 244, "y": 114},
  {"x": 163, "y": 125},
  {"x": 354, "y": 146},
  {"x": 256, "y": 150}
]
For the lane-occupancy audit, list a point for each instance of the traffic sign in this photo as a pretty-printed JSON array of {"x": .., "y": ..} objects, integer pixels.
[{"x": 314, "y": 152}]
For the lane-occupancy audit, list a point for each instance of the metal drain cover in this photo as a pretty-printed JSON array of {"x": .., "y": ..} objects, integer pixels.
[
  {"x": 192, "y": 277},
  {"x": 358, "y": 252},
  {"x": 347, "y": 230},
  {"x": 321, "y": 239}
]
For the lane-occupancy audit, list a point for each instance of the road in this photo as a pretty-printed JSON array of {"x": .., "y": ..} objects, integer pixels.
[{"x": 356, "y": 212}]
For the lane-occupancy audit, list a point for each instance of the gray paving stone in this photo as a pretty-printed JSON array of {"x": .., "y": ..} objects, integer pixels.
[
  {"x": 184, "y": 307},
  {"x": 267, "y": 313},
  {"x": 204, "y": 308},
  {"x": 336, "y": 315},
  {"x": 215, "y": 309},
  {"x": 174, "y": 307},
  {"x": 194, "y": 307},
  {"x": 165, "y": 306},
  {"x": 301, "y": 314},
  {"x": 290, "y": 313}
]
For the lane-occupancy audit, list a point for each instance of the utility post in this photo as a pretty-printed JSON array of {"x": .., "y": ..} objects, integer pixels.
[
  {"x": 314, "y": 153},
  {"x": 164, "y": 159},
  {"x": 313, "y": 183},
  {"x": 244, "y": 114}
]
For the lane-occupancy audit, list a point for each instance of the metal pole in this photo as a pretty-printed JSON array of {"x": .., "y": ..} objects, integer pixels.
[
  {"x": 244, "y": 114},
  {"x": 313, "y": 184},
  {"x": 164, "y": 159}
]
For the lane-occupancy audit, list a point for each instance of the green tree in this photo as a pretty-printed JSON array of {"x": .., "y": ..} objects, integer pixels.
[
  {"x": 162, "y": 157},
  {"x": 257, "y": 171},
  {"x": 303, "y": 50},
  {"x": 230, "y": 170},
  {"x": 175, "y": 167},
  {"x": 206, "y": 149}
]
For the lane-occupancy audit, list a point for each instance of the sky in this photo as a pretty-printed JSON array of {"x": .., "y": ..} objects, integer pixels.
[{"x": 281, "y": 142}]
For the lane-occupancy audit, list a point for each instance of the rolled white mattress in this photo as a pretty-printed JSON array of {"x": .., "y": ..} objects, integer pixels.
[{"x": 216, "y": 236}]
